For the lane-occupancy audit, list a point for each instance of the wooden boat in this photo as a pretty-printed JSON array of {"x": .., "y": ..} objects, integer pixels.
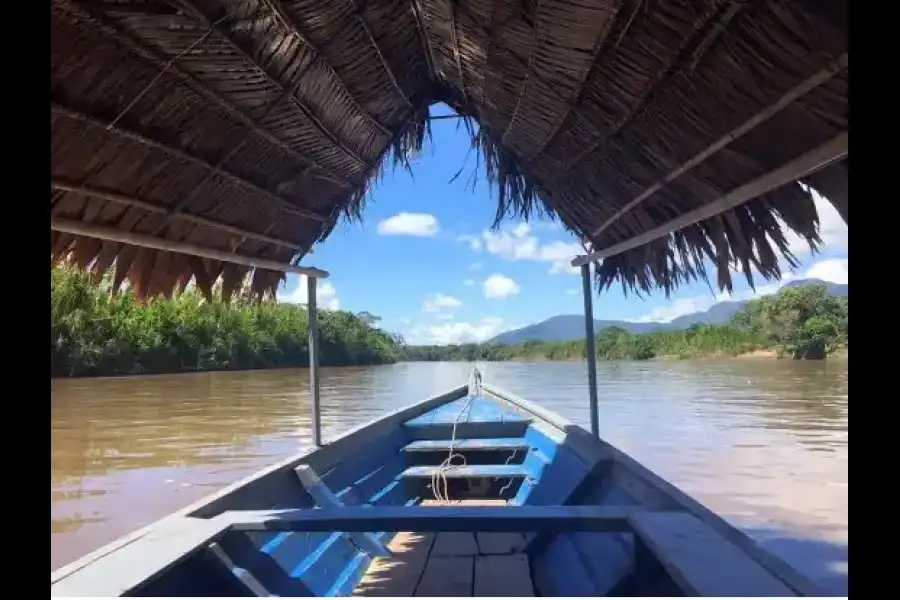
[{"x": 537, "y": 506}]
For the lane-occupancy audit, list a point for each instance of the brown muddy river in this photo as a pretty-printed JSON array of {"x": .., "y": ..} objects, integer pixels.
[{"x": 762, "y": 442}]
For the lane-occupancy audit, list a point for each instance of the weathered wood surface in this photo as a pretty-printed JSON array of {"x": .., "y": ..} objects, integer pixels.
[
  {"x": 499, "y": 542},
  {"x": 399, "y": 574},
  {"x": 700, "y": 561},
  {"x": 447, "y": 576},
  {"x": 455, "y": 543},
  {"x": 423, "y": 565},
  {"x": 503, "y": 575},
  {"x": 130, "y": 566}
]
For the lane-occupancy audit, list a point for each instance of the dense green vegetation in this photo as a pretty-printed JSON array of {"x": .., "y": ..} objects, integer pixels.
[
  {"x": 92, "y": 333},
  {"x": 801, "y": 322}
]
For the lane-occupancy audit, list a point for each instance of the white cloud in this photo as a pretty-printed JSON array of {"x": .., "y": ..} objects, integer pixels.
[
  {"x": 835, "y": 270},
  {"x": 473, "y": 241},
  {"x": 572, "y": 292},
  {"x": 681, "y": 306},
  {"x": 518, "y": 243},
  {"x": 457, "y": 333},
  {"x": 438, "y": 302},
  {"x": 469, "y": 282},
  {"x": 414, "y": 224},
  {"x": 499, "y": 286},
  {"x": 404, "y": 321},
  {"x": 326, "y": 294},
  {"x": 476, "y": 266},
  {"x": 445, "y": 317}
]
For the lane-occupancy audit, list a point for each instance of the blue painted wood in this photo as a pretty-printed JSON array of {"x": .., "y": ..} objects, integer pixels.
[
  {"x": 466, "y": 444},
  {"x": 570, "y": 561},
  {"x": 607, "y": 557},
  {"x": 355, "y": 569},
  {"x": 196, "y": 576},
  {"x": 557, "y": 480},
  {"x": 437, "y": 518},
  {"x": 469, "y": 471},
  {"x": 311, "y": 557},
  {"x": 349, "y": 469},
  {"x": 333, "y": 551},
  {"x": 481, "y": 410},
  {"x": 442, "y": 431},
  {"x": 538, "y": 440},
  {"x": 274, "y": 576},
  {"x": 325, "y": 498},
  {"x": 554, "y": 471},
  {"x": 562, "y": 572},
  {"x": 702, "y": 562}
]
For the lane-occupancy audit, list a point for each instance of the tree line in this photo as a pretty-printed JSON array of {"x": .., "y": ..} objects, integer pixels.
[
  {"x": 799, "y": 322},
  {"x": 93, "y": 333}
]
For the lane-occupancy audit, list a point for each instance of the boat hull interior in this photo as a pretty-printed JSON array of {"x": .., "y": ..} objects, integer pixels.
[{"x": 507, "y": 453}]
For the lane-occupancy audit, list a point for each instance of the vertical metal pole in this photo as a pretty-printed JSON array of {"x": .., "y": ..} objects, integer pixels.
[
  {"x": 313, "y": 359},
  {"x": 589, "y": 350}
]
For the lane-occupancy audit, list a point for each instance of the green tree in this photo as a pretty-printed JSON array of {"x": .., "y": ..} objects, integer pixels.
[
  {"x": 92, "y": 333},
  {"x": 805, "y": 322}
]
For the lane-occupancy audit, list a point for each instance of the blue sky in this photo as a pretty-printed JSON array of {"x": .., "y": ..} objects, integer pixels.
[{"x": 425, "y": 261}]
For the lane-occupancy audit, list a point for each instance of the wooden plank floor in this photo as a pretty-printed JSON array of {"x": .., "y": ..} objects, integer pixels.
[{"x": 451, "y": 564}]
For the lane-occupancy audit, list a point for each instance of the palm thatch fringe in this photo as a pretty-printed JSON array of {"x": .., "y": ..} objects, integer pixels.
[{"x": 196, "y": 120}]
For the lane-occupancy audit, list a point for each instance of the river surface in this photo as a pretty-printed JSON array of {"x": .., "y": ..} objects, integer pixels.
[{"x": 762, "y": 442}]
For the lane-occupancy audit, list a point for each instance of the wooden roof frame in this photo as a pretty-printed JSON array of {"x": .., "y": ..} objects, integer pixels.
[{"x": 249, "y": 128}]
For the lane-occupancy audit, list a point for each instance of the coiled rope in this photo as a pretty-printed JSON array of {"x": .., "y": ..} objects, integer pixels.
[{"x": 439, "y": 484}]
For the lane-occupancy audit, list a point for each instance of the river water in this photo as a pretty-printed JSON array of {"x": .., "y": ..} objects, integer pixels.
[{"x": 761, "y": 442}]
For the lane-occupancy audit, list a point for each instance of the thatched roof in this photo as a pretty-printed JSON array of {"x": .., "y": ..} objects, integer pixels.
[{"x": 253, "y": 126}]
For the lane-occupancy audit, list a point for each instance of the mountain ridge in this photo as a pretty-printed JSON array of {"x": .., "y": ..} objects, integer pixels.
[{"x": 570, "y": 327}]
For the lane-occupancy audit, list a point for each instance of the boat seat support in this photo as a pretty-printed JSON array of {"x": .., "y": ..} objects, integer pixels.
[
  {"x": 244, "y": 577},
  {"x": 325, "y": 498}
]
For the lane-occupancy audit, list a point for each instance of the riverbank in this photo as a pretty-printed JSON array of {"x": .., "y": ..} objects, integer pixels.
[
  {"x": 798, "y": 322},
  {"x": 93, "y": 334},
  {"x": 458, "y": 353}
]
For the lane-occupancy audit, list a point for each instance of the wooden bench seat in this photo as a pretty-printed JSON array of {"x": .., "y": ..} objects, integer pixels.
[{"x": 700, "y": 561}]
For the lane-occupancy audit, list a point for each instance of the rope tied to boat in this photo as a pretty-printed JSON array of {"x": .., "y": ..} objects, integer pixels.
[{"x": 440, "y": 487}]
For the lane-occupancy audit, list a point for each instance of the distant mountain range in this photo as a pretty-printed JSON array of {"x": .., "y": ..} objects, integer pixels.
[{"x": 570, "y": 327}]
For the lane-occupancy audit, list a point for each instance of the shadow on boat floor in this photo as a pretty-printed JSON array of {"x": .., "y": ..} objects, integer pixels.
[{"x": 455, "y": 564}]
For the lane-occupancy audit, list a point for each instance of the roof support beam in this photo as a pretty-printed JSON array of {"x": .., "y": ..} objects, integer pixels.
[
  {"x": 753, "y": 122},
  {"x": 88, "y": 20},
  {"x": 141, "y": 240},
  {"x": 126, "y": 200},
  {"x": 300, "y": 106},
  {"x": 713, "y": 33},
  {"x": 457, "y": 54},
  {"x": 820, "y": 157},
  {"x": 164, "y": 147},
  {"x": 615, "y": 28},
  {"x": 523, "y": 63},
  {"x": 358, "y": 14},
  {"x": 418, "y": 15},
  {"x": 291, "y": 25}
]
